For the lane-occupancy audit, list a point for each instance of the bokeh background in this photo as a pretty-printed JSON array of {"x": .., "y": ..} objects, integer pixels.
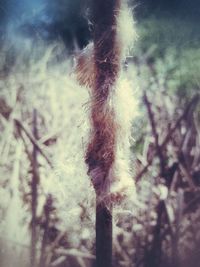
[{"x": 47, "y": 204}]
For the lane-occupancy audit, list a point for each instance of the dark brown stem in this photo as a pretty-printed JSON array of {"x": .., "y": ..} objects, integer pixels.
[
  {"x": 34, "y": 193},
  {"x": 46, "y": 211},
  {"x": 192, "y": 104},
  {"x": 153, "y": 256},
  {"x": 103, "y": 235},
  {"x": 35, "y": 143},
  {"x": 155, "y": 134}
]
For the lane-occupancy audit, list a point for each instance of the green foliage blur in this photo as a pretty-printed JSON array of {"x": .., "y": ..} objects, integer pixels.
[{"x": 171, "y": 45}]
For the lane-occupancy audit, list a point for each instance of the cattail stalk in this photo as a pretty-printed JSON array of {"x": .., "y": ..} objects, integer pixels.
[
  {"x": 101, "y": 150},
  {"x": 99, "y": 67}
]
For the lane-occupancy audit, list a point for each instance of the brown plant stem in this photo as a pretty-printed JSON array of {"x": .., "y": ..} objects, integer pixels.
[
  {"x": 46, "y": 211},
  {"x": 34, "y": 194},
  {"x": 103, "y": 235},
  {"x": 34, "y": 142},
  {"x": 153, "y": 255},
  {"x": 192, "y": 104},
  {"x": 155, "y": 135}
]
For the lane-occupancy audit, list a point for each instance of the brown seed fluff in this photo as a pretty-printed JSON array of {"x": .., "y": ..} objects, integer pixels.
[{"x": 99, "y": 68}]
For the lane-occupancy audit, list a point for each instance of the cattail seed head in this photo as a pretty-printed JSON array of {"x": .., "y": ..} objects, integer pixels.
[{"x": 112, "y": 105}]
